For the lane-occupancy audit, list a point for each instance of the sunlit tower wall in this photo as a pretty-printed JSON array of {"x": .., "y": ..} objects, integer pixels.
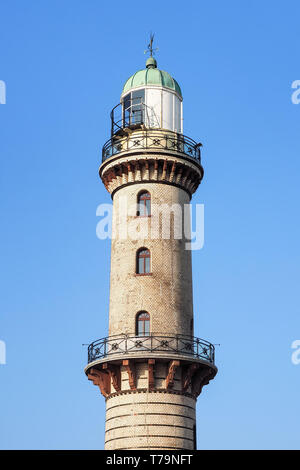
[{"x": 150, "y": 368}]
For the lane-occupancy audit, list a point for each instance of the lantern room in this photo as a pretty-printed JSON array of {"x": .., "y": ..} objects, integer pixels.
[{"x": 151, "y": 99}]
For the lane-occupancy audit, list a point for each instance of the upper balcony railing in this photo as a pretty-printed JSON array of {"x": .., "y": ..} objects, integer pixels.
[
  {"x": 153, "y": 140},
  {"x": 134, "y": 115},
  {"x": 125, "y": 345}
]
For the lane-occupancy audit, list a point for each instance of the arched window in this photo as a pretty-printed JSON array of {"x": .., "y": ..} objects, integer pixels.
[
  {"x": 143, "y": 261},
  {"x": 143, "y": 324},
  {"x": 144, "y": 204}
]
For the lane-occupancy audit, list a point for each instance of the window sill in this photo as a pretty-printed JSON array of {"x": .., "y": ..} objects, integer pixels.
[{"x": 143, "y": 274}]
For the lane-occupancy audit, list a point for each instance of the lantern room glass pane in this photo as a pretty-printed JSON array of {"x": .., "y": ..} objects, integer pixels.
[
  {"x": 126, "y": 110},
  {"x": 133, "y": 108},
  {"x": 138, "y": 99}
]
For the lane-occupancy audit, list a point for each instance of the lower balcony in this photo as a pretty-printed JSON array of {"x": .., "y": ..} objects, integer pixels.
[{"x": 159, "y": 345}]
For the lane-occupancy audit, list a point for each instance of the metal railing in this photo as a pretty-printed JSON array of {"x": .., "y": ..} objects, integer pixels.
[
  {"x": 131, "y": 113},
  {"x": 154, "y": 140},
  {"x": 161, "y": 343}
]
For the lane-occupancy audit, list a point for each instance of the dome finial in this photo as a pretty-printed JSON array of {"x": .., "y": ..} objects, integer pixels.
[{"x": 151, "y": 62}]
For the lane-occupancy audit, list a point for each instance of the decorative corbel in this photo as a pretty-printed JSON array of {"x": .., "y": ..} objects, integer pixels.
[
  {"x": 164, "y": 171},
  {"x": 129, "y": 366},
  {"x": 187, "y": 376},
  {"x": 115, "y": 375},
  {"x": 101, "y": 379},
  {"x": 151, "y": 363},
  {"x": 171, "y": 374},
  {"x": 201, "y": 378}
]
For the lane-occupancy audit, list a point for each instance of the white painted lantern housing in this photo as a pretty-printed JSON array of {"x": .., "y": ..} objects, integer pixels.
[{"x": 153, "y": 98}]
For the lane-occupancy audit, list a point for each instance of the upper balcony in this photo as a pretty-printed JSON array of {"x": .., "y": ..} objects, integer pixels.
[{"x": 135, "y": 127}]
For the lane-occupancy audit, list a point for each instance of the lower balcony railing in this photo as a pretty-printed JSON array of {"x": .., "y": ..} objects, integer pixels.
[{"x": 161, "y": 343}]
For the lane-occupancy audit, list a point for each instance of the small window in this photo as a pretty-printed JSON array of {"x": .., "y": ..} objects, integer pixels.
[
  {"x": 144, "y": 204},
  {"x": 143, "y": 324},
  {"x": 143, "y": 261}
]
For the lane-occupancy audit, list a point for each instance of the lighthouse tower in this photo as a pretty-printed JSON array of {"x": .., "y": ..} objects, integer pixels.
[{"x": 150, "y": 368}]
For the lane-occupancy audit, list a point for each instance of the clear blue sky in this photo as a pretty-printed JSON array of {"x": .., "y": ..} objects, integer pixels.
[{"x": 64, "y": 65}]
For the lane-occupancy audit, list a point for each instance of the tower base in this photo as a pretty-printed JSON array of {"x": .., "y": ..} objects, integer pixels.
[
  {"x": 150, "y": 420},
  {"x": 151, "y": 402}
]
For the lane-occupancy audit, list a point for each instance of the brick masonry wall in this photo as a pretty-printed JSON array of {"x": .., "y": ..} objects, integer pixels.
[
  {"x": 166, "y": 294},
  {"x": 150, "y": 420}
]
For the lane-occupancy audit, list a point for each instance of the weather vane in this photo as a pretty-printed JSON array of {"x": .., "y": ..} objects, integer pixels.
[{"x": 149, "y": 47}]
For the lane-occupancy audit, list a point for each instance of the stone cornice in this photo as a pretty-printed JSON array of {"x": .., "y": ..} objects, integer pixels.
[
  {"x": 194, "y": 376},
  {"x": 151, "y": 168}
]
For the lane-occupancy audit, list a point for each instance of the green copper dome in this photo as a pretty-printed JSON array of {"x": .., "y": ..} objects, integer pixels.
[{"x": 151, "y": 75}]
